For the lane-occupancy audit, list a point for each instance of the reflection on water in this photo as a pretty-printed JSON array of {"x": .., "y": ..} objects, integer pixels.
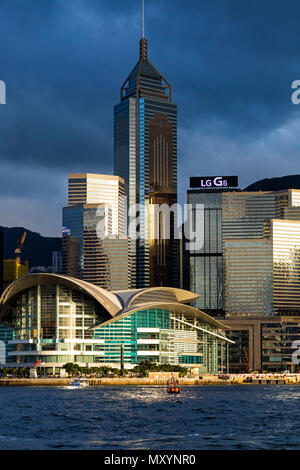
[
  {"x": 151, "y": 394},
  {"x": 215, "y": 417}
]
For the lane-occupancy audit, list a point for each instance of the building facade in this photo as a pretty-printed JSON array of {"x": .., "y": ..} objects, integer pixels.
[
  {"x": 145, "y": 156},
  {"x": 263, "y": 343},
  {"x": 95, "y": 244},
  {"x": 1, "y": 259},
  {"x": 261, "y": 253},
  {"x": 205, "y": 266},
  {"x": 248, "y": 271},
  {"x": 261, "y": 277},
  {"x": 58, "y": 319},
  {"x": 106, "y": 190},
  {"x": 12, "y": 270},
  {"x": 57, "y": 261}
]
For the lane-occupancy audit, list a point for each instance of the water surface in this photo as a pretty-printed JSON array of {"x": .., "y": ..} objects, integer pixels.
[{"x": 205, "y": 417}]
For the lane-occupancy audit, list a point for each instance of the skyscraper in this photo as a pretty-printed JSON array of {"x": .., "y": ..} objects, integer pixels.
[
  {"x": 261, "y": 255},
  {"x": 95, "y": 246},
  {"x": 261, "y": 236},
  {"x": 92, "y": 188},
  {"x": 145, "y": 155},
  {"x": 1, "y": 259},
  {"x": 204, "y": 267}
]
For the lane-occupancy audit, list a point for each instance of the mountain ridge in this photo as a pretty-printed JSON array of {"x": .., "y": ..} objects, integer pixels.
[
  {"x": 37, "y": 249},
  {"x": 275, "y": 184}
]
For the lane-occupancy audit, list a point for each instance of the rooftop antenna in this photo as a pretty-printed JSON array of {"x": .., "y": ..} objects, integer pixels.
[
  {"x": 143, "y": 18},
  {"x": 143, "y": 41}
]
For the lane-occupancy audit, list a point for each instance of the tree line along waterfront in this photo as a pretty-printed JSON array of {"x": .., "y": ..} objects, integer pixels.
[{"x": 72, "y": 369}]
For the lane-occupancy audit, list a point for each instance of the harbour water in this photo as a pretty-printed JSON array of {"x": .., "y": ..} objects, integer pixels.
[{"x": 204, "y": 417}]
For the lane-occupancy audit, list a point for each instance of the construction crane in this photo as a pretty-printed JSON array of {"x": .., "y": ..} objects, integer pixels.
[{"x": 19, "y": 248}]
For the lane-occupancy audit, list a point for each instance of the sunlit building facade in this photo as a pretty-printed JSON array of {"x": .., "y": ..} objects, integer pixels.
[
  {"x": 95, "y": 244},
  {"x": 261, "y": 250},
  {"x": 106, "y": 190},
  {"x": 57, "y": 319},
  {"x": 262, "y": 343},
  {"x": 12, "y": 270},
  {"x": 261, "y": 253},
  {"x": 248, "y": 277},
  {"x": 145, "y": 156}
]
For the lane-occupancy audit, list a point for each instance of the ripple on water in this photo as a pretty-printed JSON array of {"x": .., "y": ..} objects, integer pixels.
[{"x": 148, "y": 418}]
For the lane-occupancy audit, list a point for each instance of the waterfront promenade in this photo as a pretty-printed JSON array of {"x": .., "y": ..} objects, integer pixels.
[{"x": 230, "y": 379}]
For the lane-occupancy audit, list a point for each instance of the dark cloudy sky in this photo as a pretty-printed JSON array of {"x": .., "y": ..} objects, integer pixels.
[{"x": 231, "y": 63}]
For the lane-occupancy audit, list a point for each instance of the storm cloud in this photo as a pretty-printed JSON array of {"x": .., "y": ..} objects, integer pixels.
[{"x": 230, "y": 62}]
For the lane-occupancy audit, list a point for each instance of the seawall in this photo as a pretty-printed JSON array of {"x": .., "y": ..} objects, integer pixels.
[{"x": 236, "y": 379}]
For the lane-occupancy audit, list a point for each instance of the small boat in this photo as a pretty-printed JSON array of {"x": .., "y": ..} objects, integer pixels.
[
  {"x": 79, "y": 383},
  {"x": 173, "y": 385}
]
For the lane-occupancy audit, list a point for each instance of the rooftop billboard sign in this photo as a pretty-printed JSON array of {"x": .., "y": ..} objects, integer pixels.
[{"x": 214, "y": 182}]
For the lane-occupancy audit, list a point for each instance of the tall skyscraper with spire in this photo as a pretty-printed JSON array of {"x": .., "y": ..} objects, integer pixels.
[{"x": 145, "y": 156}]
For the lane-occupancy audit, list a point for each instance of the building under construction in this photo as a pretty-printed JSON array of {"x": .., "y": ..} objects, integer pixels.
[{"x": 14, "y": 268}]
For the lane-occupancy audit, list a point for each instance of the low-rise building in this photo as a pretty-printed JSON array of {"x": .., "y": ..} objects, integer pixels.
[{"x": 57, "y": 319}]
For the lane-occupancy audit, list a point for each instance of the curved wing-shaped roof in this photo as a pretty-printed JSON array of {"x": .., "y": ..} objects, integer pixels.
[
  {"x": 174, "y": 307},
  {"x": 108, "y": 299},
  {"x": 142, "y": 297},
  {"x": 114, "y": 302},
  {"x": 117, "y": 303}
]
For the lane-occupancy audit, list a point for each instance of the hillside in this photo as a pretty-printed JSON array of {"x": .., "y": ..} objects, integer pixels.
[
  {"x": 275, "y": 184},
  {"x": 37, "y": 249}
]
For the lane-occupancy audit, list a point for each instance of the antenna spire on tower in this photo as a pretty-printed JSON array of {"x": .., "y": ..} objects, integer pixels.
[
  {"x": 143, "y": 41},
  {"x": 143, "y": 18}
]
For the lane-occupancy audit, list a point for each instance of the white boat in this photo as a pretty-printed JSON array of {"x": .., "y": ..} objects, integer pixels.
[{"x": 79, "y": 383}]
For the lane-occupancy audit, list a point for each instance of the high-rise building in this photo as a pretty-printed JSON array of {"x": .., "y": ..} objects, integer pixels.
[
  {"x": 145, "y": 155},
  {"x": 204, "y": 267},
  {"x": 92, "y": 188},
  {"x": 250, "y": 264},
  {"x": 1, "y": 259},
  {"x": 261, "y": 253},
  {"x": 95, "y": 245},
  {"x": 57, "y": 262}
]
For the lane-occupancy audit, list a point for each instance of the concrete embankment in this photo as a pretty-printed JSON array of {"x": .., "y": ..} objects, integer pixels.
[
  {"x": 57, "y": 382},
  {"x": 236, "y": 379}
]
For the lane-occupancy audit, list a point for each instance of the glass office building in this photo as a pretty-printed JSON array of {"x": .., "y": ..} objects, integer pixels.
[
  {"x": 205, "y": 265},
  {"x": 95, "y": 244},
  {"x": 107, "y": 190},
  {"x": 261, "y": 253},
  {"x": 248, "y": 277},
  {"x": 255, "y": 237},
  {"x": 244, "y": 214},
  {"x": 58, "y": 319},
  {"x": 145, "y": 156},
  {"x": 1, "y": 259}
]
